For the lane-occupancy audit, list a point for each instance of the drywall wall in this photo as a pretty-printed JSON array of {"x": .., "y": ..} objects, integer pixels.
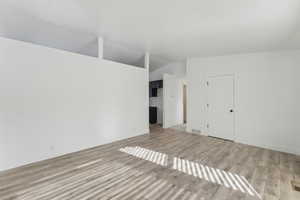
[
  {"x": 172, "y": 101},
  {"x": 54, "y": 102},
  {"x": 178, "y": 69},
  {"x": 267, "y": 96}
]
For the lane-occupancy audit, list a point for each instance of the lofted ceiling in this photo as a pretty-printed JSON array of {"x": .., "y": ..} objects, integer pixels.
[{"x": 171, "y": 30}]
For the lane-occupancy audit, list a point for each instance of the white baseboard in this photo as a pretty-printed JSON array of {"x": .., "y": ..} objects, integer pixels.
[{"x": 290, "y": 150}]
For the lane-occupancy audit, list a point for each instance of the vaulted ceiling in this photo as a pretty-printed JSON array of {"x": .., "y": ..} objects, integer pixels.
[{"x": 171, "y": 30}]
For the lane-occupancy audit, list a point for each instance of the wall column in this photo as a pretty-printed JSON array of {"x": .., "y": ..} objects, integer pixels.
[
  {"x": 147, "y": 60},
  {"x": 147, "y": 65},
  {"x": 100, "y": 47}
]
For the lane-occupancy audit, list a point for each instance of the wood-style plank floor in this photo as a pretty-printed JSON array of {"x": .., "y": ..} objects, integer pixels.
[{"x": 104, "y": 172}]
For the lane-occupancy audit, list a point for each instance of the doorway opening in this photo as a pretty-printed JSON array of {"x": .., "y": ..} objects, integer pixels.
[{"x": 156, "y": 103}]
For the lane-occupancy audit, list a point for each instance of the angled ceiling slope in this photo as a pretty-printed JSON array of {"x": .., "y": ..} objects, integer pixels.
[{"x": 172, "y": 30}]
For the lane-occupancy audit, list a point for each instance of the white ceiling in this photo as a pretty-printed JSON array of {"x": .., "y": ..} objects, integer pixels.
[{"x": 171, "y": 30}]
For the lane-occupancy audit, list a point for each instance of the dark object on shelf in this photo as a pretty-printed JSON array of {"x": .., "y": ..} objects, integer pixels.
[
  {"x": 156, "y": 84},
  {"x": 153, "y": 115}
]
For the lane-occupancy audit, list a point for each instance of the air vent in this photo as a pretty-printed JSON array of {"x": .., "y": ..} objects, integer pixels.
[{"x": 296, "y": 186}]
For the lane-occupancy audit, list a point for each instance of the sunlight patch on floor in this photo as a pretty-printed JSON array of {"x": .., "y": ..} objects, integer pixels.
[
  {"x": 146, "y": 154},
  {"x": 217, "y": 176},
  {"x": 213, "y": 175}
]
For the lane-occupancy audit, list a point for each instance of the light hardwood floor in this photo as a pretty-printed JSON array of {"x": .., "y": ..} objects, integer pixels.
[{"x": 104, "y": 172}]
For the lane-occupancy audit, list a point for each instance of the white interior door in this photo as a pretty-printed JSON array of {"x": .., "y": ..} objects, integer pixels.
[{"x": 221, "y": 107}]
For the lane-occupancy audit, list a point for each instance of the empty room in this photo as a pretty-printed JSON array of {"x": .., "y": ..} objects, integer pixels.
[{"x": 150, "y": 100}]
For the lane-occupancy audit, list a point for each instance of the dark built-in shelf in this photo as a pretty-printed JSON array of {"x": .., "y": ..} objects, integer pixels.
[
  {"x": 153, "y": 86},
  {"x": 156, "y": 84}
]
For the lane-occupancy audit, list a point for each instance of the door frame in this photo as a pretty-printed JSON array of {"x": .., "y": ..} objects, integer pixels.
[
  {"x": 184, "y": 95},
  {"x": 234, "y": 102}
]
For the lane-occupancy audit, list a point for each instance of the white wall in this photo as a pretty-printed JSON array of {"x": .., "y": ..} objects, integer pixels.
[
  {"x": 177, "y": 69},
  {"x": 267, "y": 96},
  {"x": 54, "y": 102},
  {"x": 172, "y": 101}
]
